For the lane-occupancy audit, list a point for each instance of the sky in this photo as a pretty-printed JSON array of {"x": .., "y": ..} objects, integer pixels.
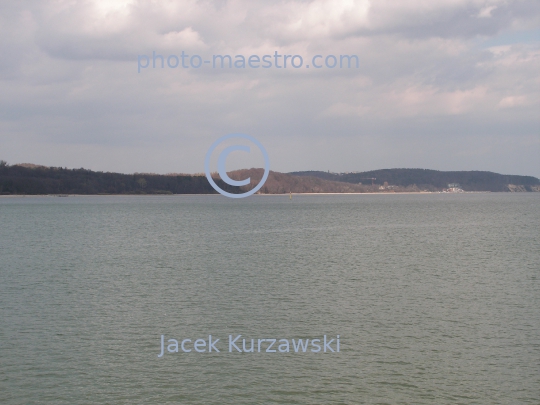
[{"x": 445, "y": 85}]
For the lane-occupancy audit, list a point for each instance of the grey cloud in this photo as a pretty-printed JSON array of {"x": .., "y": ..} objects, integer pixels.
[
  {"x": 78, "y": 31},
  {"x": 453, "y": 19},
  {"x": 426, "y": 93}
]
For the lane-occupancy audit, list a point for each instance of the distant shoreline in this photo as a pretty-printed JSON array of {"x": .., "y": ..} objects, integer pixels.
[
  {"x": 50, "y": 181},
  {"x": 259, "y": 195}
]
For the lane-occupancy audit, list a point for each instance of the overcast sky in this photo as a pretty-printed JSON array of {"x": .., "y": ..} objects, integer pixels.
[{"x": 442, "y": 84}]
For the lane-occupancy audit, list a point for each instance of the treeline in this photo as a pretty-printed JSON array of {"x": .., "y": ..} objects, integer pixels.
[
  {"x": 32, "y": 180},
  {"x": 431, "y": 179},
  {"x": 56, "y": 180}
]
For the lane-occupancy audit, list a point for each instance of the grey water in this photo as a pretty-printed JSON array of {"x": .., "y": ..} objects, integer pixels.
[{"x": 436, "y": 298}]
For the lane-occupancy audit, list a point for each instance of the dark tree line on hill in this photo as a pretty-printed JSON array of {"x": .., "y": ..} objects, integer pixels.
[
  {"x": 430, "y": 179},
  {"x": 56, "y": 180},
  {"x": 32, "y": 180}
]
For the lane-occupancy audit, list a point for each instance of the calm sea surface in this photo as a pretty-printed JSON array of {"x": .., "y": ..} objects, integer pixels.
[{"x": 436, "y": 298}]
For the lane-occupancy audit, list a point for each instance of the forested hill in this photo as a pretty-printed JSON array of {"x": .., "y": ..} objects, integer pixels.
[
  {"x": 34, "y": 180},
  {"x": 432, "y": 179}
]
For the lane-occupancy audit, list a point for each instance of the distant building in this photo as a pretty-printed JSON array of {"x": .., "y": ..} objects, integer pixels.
[
  {"x": 385, "y": 186},
  {"x": 454, "y": 188}
]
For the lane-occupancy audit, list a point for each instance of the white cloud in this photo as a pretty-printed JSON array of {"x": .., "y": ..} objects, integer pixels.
[
  {"x": 486, "y": 12},
  {"x": 512, "y": 101},
  {"x": 185, "y": 39}
]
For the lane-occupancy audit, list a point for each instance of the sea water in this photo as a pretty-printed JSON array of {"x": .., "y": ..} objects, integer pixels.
[{"x": 435, "y": 298}]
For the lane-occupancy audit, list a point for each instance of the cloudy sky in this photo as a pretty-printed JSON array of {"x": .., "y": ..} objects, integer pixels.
[{"x": 446, "y": 84}]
